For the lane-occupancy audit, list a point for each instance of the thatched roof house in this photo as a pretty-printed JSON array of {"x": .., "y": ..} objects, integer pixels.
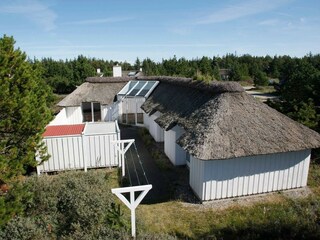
[
  {"x": 222, "y": 121},
  {"x": 233, "y": 144},
  {"x": 95, "y": 89}
]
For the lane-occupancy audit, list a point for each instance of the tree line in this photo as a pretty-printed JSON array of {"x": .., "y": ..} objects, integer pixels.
[{"x": 64, "y": 75}]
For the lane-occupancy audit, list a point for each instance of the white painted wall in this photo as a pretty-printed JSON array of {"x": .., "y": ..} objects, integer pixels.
[
  {"x": 132, "y": 104},
  {"x": 74, "y": 115},
  {"x": 175, "y": 153},
  {"x": 68, "y": 115},
  {"x": 146, "y": 120},
  {"x": 98, "y": 150},
  {"x": 109, "y": 113},
  {"x": 65, "y": 153},
  {"x": 155, "y": 130},
  {"x": 217, "y": 179},
  {"x": 60, "y": 118},
  {"x": 106, "y": 113}
]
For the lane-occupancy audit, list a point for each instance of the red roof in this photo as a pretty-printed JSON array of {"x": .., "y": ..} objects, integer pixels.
[{"x": 63, "y": 130}]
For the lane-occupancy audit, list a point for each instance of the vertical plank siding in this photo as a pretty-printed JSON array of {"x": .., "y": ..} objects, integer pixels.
[
  {"x": 155, "y": 130},
  {"x": 74, "y": 115},
  {"x": 217, "y": 179},
  {"x": 99, "y": 152},
  {"x": 65, "y": 154},
  {"x": 74, "y": 152},
  {"x": 175, "y": 153}
]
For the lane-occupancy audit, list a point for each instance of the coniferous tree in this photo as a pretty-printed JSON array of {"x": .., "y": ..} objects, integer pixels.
[
  {"x": 24, "y": 111},
  {"x": 260, "y": 79}
]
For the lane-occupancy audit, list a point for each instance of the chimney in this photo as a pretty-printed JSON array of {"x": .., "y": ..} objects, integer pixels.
[
  {"x": 98, "y": 71},
  {"x": 117, "y": 71}
]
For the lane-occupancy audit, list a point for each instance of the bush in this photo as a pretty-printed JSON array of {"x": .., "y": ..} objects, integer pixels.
[
  {"x": 146, "y": 137},
  {"x": 71, "y": 205},
  {"x": 13, "y": 202},
  {"x": 23, "y": 229},
  {"x": 260, "y": 79}
]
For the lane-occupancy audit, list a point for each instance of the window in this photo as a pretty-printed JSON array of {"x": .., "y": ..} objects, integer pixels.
[
  {"x": 132, "y": 96},
  {"x": 91, "y": 112}
]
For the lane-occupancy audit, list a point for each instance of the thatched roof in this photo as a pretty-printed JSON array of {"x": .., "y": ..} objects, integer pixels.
[
  {"x": 222, "y": 121},
  {"x": 97, "y": 89}
]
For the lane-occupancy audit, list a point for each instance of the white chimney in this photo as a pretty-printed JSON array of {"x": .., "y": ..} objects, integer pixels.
[
  {"x": 98, "y": 71},
  {"x": 117, "y": 71}
]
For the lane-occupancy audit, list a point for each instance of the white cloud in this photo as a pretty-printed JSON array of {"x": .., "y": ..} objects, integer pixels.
[
  {"x": 243, "y": 9},
  {"x": 269, "y": 22},
  {"x": 34, "y": 10},
  {"x": 302, "y": 20},
  {"x": 100, "y": 21}
]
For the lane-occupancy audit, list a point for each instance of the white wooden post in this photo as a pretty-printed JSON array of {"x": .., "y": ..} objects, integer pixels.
[
  {"x": 133, "y": 204},
  {"x": 122, "y": 150},
  {"x": 84, "y": 151}
]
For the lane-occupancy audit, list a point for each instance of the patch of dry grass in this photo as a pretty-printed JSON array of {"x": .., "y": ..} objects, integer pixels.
[{"x": 275, "y": 215}]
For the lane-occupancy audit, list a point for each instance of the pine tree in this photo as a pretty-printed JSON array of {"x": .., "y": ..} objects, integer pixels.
[
  {"x": 24, "y": 111},
  {"x": 260, "y": 79}
]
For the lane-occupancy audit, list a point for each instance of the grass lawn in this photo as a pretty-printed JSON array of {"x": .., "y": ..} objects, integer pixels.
[{"x": 267, "y": 217}]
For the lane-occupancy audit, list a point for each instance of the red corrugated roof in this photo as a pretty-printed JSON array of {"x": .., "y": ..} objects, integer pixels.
[{"x": 63, "y": 130}]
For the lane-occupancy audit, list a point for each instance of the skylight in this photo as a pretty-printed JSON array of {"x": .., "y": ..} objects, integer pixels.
[{"x": 138, "y": 88}]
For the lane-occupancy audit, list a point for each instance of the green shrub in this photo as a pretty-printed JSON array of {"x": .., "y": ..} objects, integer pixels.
[
  {"x": 13, "y": 202},
  {"x": 161, "y": 160},
  {"x": 71, "y": 205},
  {"x": 23, "y": 229},
  {"x": 146, "y": 137}
]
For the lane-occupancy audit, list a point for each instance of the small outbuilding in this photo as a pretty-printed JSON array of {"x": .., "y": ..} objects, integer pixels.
[
  {"x": 233, "y": 144},
  {"x": 80, "y": 146}
]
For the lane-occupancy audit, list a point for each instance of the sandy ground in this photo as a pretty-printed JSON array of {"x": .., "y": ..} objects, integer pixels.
[{"x": 262, "y": 96}]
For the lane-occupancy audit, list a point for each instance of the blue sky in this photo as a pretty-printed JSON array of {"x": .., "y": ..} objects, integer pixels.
[{"x": 124, "y": 30}]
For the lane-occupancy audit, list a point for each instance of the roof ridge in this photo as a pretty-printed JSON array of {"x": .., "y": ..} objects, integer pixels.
[
  {"x": 213, "y": 87},
  {"x": 108, "y": 79}
]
